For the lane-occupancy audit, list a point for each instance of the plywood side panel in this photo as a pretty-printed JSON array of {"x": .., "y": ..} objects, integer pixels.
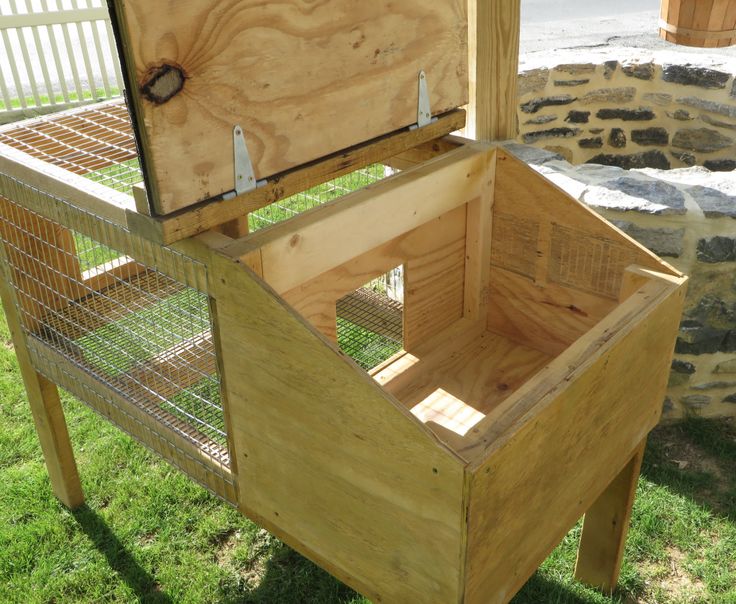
[
  {"x": 323, "y": 238},
  {"x": 434, "y": 291},
  {"x": 344, "y": 473},
  {"x": 555, "y": 264},
  {"x": 303, "y": 79},
  {"x": 47, "y": 275},
  {"x": 558, "y": 458}
]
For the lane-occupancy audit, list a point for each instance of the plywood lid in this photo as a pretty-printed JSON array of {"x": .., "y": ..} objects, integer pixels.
[{"x": 302, "y": 79}]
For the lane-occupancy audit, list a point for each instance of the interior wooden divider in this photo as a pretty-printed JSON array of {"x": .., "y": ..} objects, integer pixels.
[{"x": 418, "y": 249}]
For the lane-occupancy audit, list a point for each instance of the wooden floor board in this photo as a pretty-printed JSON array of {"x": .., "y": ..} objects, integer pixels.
[{"x": 457, "y": 384}]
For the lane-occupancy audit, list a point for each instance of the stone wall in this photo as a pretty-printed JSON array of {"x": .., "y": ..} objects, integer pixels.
[
  {"x": 687, "y": 216},
  {"x": 648, "y": 110}
]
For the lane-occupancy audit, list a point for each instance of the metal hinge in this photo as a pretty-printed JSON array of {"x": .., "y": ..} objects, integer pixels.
[
  {"x": 245, "y": 176},
  {"x": 424, "y": 110}
]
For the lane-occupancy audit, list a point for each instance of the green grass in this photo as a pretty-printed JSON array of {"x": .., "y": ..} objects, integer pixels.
[
  {"x": 311, "y": 198},
  {"x": 91, "y": 253},
  {"x": 121, "y": 176},
  {"x": 366, "y": 347},
  {"x": 147, "y": 534},
  {"x": 117, "y": 346},
  {"x": 59, "y": 99}
]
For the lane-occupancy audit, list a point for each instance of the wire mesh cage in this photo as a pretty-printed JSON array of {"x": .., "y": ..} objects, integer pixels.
[{"x": 143, "y": 338}]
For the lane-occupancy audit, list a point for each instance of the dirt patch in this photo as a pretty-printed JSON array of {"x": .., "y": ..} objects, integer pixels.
[
  {"x": 251, "y": 566},
  {"x": 224, "y": 544},
  {"x": 147, "y": 539},
  {"x": 670, "y": 581}
]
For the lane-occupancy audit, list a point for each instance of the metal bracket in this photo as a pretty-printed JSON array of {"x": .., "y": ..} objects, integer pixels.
[
  {"x": 424, "y": 110},
  {"x": 245, "y": 176}
]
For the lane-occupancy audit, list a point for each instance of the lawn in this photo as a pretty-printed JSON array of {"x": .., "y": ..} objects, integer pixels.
[
  {"x": 147, "y": 534},
  {"x": 59, "y": 98}
]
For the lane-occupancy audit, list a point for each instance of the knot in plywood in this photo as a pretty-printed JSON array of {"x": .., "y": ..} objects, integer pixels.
[{"x": 162, "y": 82}]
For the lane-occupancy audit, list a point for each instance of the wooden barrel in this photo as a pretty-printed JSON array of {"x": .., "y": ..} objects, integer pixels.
[{"x": 704, "y": 23}]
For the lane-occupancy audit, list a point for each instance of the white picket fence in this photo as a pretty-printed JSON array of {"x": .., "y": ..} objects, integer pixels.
[{"x": 55, "y": 54}]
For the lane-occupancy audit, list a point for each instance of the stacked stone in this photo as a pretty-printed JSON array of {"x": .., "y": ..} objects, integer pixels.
[
  {"x": 631, "y": 115},
  {"x": 687, "y": 216}
]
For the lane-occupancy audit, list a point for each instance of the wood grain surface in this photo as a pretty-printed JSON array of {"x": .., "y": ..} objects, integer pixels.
[{"x": 303, "y": 78}]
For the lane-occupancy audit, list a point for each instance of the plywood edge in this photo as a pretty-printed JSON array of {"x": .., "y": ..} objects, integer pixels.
[
  {"x": 76, "y": 190},
  {"x": 646, "y": 257},
  {"x": 498, "y": 426},
  {"x": 119, "y": 24},
  {"x": 306, "y": 420},
  {"x": 555, "y": 459}
]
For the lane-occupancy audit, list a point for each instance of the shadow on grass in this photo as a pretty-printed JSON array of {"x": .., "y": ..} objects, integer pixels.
[
  {"x": 696, "y": 458},
  {"x": 542, "y": 589},
  {"x": 120, "y": 560},
  {"x": 289, "y": 578}
]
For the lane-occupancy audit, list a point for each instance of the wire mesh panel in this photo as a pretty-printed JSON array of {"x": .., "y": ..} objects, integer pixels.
[
  {"x": 316, "y": 196},
  {"x": 144, "y": 337},
  {"x": 370, "y": 321},
  {"x": 96, "y": 142}
]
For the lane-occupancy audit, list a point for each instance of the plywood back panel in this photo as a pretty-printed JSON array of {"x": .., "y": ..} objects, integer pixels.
[
  {"x": 47, "y": 273},
  {"x": 555, "y": 264},
  {"x": 303, "y": 79},
  {"x": 432, "y": 253}
]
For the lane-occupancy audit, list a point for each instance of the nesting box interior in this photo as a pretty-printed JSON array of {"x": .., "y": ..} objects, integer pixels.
[{"x": 414, "y": 360}]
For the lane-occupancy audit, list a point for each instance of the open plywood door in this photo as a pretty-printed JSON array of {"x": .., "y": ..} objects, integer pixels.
[{"x": 303, "y": 79}]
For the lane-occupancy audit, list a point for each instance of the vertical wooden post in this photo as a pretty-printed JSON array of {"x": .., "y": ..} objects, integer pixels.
[
  {"x": 235, "y": 228},
  {"x": 47, "y": 274},
  {"x": 478, "y": 249},
  {"x": 493, "y": 42},
  {"x": 605, "y": 527},
  {"x": 48, "y": 415}
]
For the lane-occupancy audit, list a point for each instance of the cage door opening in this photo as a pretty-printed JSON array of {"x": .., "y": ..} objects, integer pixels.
[{"x": 370, "y": 320}]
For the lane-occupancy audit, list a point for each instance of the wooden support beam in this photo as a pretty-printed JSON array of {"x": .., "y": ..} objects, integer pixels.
[
  {"x": 605, "y": 527},
  {"x": 46, "y": 409},
  {"x": 478, "y": 250},
  {"x": 111, "y": 273},
  {"x": 299, "y": 249},
  {"x": 494, "y": 27}
]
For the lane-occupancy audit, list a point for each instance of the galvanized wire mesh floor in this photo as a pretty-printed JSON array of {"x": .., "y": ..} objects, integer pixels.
[{"x": 95, "y": 141}]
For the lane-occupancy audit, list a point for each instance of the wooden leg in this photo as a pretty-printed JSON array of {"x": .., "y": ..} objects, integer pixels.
[
  {"x": 48, "y": 415},
  {"x": 47, "y": 412},
  {"x": 605, "y": 526}
]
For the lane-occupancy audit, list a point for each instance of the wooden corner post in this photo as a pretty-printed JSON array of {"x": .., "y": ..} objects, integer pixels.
[
  {"x": 47, "y": 262},
  {"x": 605, "y": 527},
  {"x": 493, "y": 42},
  {"x": 48, "y": 414}
]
